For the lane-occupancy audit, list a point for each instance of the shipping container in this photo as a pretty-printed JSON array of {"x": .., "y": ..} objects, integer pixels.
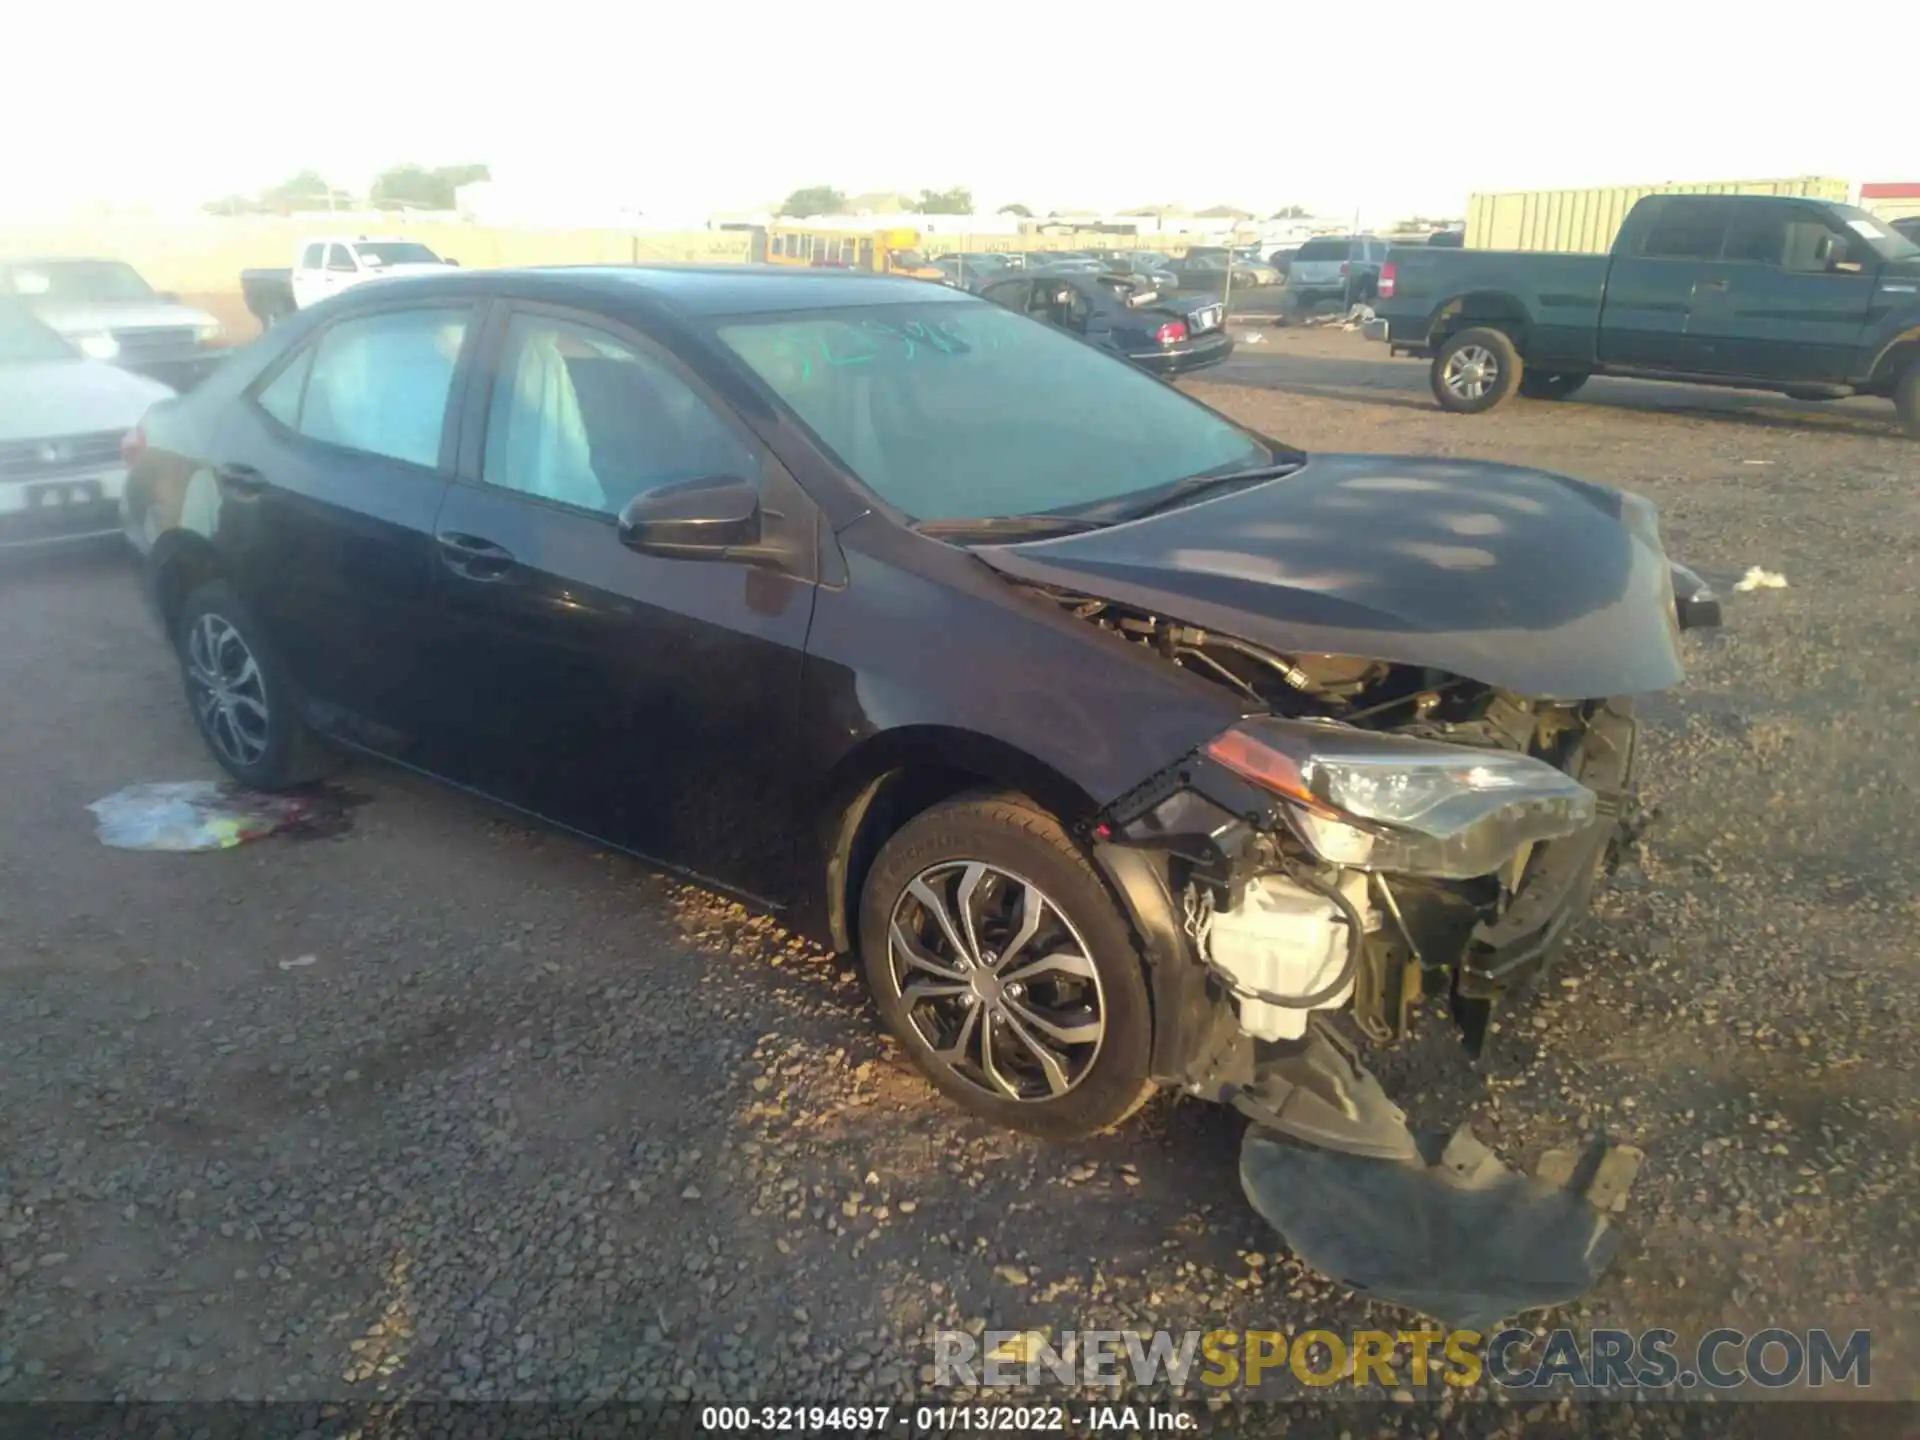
[{"x": 1587, "y": 220}]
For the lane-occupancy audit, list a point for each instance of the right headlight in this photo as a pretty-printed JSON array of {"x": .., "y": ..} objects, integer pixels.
[{"x": 1384, "y": 802}]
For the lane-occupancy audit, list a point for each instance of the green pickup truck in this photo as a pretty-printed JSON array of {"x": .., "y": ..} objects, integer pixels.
[{"x": 1814, "y": 299}]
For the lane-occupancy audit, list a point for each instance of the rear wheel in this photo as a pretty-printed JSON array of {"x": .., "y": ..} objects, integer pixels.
[
  {"x": 1536, "y": 386},
  {"x": 1906, "y": 398},
  {"x": 1475, "y": 370},
  {"x": 241, "y": 697},
  {"x": 1004, "y": 965}
]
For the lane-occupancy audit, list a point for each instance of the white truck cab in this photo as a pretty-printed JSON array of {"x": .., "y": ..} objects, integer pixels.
[{"x": 330, "y": 264}]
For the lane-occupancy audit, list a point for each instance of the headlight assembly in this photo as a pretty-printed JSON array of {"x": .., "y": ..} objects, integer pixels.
[
  {"x": 100, "y": 346},
  {"x": 1383, "y": 802}
]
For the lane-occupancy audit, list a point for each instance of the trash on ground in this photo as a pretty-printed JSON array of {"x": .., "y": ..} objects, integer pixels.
[
  {"x": 299, "y": 962},
  {"x": 1351, "y": 318},
  {"x": 193, "y": 815},
  {"x": 1450, "y": 1232},
  {"x": 1758, "y": 579}
]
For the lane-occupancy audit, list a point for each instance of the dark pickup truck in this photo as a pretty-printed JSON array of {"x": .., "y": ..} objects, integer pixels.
[{"x": 1814, "y": 299}]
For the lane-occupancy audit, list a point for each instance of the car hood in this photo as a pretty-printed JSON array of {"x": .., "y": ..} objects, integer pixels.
[
  {"x": 1532, "y": 582},
  {"x": 120, "y": 315},
  {"x": 42, "y": 399}
]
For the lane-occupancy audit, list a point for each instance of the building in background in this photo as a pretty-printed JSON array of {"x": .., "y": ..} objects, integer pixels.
[{"x": 1891, "y": 199}]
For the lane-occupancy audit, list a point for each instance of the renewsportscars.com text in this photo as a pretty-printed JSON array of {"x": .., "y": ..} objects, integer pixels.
[{"x": 1611, "y": 1360}]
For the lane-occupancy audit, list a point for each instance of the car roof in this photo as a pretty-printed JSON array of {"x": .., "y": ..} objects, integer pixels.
[{"x": 687, "y": 290}]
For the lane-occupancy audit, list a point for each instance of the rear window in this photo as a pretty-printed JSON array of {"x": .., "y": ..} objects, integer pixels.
[{"x": 1335, "y": 249}]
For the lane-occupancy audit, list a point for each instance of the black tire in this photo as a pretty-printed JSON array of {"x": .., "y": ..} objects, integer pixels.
[
  {"x": 1015, "y": 841},
  {"x": 1906, "y": 398},
  {"x": 1536, "y": 386},
  {"x": 1469, "y": 383},
  {"x": 271, "y": 750}
]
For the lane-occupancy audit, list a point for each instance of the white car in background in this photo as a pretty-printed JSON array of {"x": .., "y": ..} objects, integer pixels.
[
  {"x": 63, "y": 421},
  {"x": 110, "y": 312}
]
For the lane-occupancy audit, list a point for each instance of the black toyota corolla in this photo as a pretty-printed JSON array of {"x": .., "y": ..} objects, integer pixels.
[{"x": 1115, "y": 738}]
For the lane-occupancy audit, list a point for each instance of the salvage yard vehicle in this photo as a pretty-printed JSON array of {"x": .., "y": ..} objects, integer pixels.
[
  {"x": 1115, "y": 738},
  {"x": 1811, "y": 298},
  {"x": 62, "y": 419},
  {"x": 1125, "y": 316},
  {"x": 884, "y": 252},
  {"x": 111, "y": 313},
  {"x": 1336, "y": 267},
  {"x": 328, "y": 265}
]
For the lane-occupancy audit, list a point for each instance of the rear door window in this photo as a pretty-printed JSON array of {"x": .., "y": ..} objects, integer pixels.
[
  {"x": 1321, "y": 250},
  {"x": 310, "y": 258},
  {"x": 339, "y": 258},
  {"x": 1686, "y": 230},
  {"x": 381, "y": 383}
]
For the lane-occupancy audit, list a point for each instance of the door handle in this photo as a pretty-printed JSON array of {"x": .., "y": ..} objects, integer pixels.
[
  {"x": 242, "y": 480},
  {"x": 1713, "y": 284},
  {"x": 474, "y": 557}
]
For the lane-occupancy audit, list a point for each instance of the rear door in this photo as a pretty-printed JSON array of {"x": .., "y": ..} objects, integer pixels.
[
  {"x": 327, "y": 478},
  {"x": 1786, "y": 301},
  {"x": 1650, "y": 291},
  {"x": 650, "y": 702}
]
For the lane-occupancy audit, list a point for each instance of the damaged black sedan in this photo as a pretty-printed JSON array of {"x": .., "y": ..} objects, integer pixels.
[{"x": 1116, "y": 739}]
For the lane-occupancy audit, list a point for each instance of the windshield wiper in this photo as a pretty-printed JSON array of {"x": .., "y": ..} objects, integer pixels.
[
  {"x": 1185, "y": 492},
  {"x": 1038, "y": 526}
]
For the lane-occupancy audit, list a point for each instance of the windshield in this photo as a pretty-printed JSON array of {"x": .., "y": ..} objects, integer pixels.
[
  {"x": 1887, "y": 243},
  {"x": 396, "y": 252},
  {"x": 24, "y": 340},
  {"x": 969, "y": 411},
  {"x": 85, "y": 282}
]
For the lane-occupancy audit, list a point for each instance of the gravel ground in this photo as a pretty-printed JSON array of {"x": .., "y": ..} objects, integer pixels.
[{"x": 534, "y": 1122}]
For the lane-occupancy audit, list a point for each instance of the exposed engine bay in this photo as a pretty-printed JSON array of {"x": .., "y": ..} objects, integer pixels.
[{"x": 1296, "y": 909}]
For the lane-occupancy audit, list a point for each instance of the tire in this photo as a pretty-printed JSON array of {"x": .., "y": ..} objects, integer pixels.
[
  {"x": 1005, "y": 850},
  {"x": 1536, "y": 386},
  {"x": 1492, "y": 354},
  {"x": 255, "y": 732},
  {"x": 1906, "y": 398}
]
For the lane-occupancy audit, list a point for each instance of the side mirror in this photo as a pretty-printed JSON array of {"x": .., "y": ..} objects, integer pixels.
[
  {"x": 451, "y": 261},
  {"x": 693, "y": 519}
]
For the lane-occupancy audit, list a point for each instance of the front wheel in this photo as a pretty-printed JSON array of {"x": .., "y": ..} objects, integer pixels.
[
  {"x": 1906, "y": 398},
  {"x": 1475, "y": 370},
  {"x": 1004, "y": 965},
  {"x": 1536, "y": 386}
]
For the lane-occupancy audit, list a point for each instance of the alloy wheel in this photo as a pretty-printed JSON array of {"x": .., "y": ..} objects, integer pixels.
[
  {"x": 229, "y": 694},
  {"x": 996, "y": 980},
  {"x": 1471, "y": 371}
]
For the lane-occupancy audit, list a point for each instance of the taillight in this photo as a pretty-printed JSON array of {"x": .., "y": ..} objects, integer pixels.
[
  {"x": 1343, "y": 269},
  {"x": 1171, "y": 333},
  {"x": 1385, "y": 287},
  {"x": 133, "y": 445}
]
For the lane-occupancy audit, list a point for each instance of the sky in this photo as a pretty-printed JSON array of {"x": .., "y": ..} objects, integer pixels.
[{"x": 685, "y": 108}]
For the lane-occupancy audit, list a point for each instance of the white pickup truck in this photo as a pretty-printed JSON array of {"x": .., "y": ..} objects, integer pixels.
[{"x": 330, "y": 264}]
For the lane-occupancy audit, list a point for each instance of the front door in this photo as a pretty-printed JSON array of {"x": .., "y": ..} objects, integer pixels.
[
  {"x": 1786, "y": 301},
  {"x": 651, "y": 703},
  {"x": 324, "y": 483}
]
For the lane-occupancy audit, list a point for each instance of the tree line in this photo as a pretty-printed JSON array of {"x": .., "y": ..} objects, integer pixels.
[{"x": 404, "y": 187}]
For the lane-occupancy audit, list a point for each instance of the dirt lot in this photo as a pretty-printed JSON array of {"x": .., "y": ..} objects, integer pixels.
[{"x": 533, "y": 1121}]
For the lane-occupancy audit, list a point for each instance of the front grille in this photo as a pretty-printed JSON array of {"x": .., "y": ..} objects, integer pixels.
[
  {"x": 163, "y": 340},
  {"x": 55, "y": 456}
]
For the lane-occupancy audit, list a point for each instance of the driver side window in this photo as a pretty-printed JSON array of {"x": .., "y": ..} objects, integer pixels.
[{"x": 584, "y": 418}]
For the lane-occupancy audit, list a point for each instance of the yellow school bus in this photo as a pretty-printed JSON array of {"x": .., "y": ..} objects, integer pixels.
[{"x": 887, "y": 252}]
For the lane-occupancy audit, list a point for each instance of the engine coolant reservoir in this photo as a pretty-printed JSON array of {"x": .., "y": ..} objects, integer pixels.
[{"x": 1283, "y": 939}]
